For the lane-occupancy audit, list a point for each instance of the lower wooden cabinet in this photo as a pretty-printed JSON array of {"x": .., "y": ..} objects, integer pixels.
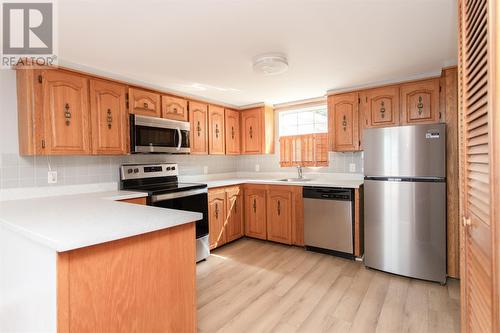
[
  {"x": 255, "y": 213},
  {"x": 216, "y": 217},
  {"x": 279, "y": 215},
  {"x": 225, "y": 215},
  {"x": 275, "y": 213},
  {"x": 234, "y": 228}
]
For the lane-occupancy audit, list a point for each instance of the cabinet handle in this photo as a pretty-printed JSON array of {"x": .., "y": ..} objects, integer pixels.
[
  {"x": 279, "y": 208},
  {"x": 344, "y": 123},
  {"x": 232, "y": 132},
  {"x": 236, "y": 207},
  {"x": 217, "y": 130},
  {"x": 254, "y": 206},
  {"x": 382, "y": 109},
  {"x": 198, "y": 128},
  {"x": 175, "y": 110},
  {"x": 251, "y": 132},
  {"x": 146, "y": 105},
  {"x": 67, "y": 114},
  {"x": 420, "y": 105},
  {"x": 216, "y": 211},
  {"x": 109, "y": 118}
]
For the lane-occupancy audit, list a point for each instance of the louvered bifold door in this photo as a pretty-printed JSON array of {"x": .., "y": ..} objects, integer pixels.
[{"x": 476, "y": 166}]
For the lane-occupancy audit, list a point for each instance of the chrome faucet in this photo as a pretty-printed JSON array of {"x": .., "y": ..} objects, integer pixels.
[{"x": 299, "y": 172}]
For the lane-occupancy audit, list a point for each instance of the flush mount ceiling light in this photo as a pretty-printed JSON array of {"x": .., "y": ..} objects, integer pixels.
[{"x": 270, "y": 64}]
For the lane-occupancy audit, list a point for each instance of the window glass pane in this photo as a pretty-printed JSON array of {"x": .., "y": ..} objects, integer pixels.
[{"x": 304, "y": 121}]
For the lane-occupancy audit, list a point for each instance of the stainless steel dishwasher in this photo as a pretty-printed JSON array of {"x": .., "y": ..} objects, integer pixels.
[{"x": 328, "y": 220}]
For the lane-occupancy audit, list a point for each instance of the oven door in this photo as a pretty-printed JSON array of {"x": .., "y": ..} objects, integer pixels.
[
  {"x": 158, "y": 135},
  {"x": 193, "y": 200}
]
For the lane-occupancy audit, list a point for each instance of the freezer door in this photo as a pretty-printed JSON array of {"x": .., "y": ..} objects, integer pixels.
[
  {"x": 405, "y": 228},
  {"x": 405, "y": 151}
]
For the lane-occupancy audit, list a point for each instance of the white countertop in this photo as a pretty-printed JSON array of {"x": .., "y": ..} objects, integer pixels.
[
  {"x": 313, "y": 182},
  {"x": 69, "y": 222}
]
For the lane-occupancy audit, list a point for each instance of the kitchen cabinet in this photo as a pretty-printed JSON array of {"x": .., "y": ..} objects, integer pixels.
[
  {"x": 137, "y": 201},
  {"x": 380, "y": 107},
  {"x": 343, "y": 122},
  {"x": 255, "y": 212},
  {"x": 257, "y": 125},
  {"x": 174, "y": 108},
  {"x": 65, "y": 113},
  {"x": 234, "y": 228},
  {"x": 216, "y": 130},
  {"x": 144, "y": 102},
  {"x": 420, "y": 102},
  {"x": 232, "y": 129},
  {"x": 108, "y": 113},
  {"x": 279, "y": 215},
  {"x": 216, "y": 217},
  {"x": 198, "y": 117}
]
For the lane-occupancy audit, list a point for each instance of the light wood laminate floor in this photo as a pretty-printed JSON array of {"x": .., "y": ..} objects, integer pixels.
[{"x": 257, "y": 286}]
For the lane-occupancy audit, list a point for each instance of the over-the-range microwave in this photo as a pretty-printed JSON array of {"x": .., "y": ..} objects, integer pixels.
[{"x": 158, "y": 135}]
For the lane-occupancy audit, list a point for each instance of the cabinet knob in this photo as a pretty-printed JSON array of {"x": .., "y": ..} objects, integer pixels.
[
  {"x": 216, "y": 211},
  {"x": 251, "y": 132},
  {"x": 109, "y": 118},
  {"x": 67, "y": 114},
  {"x": 254, "y": 206},
  {"x": 232, "y": 132},
  {"x": 382, "y": 109},
  {"x": 198, "y": 128},
  {"x": 344, "y": 123},
  {"x": 217, "y": 130},
  {"x": 146, "y": 105},
  {"x": 420, "y": 105},
  {"x": 279, "y": 208}
]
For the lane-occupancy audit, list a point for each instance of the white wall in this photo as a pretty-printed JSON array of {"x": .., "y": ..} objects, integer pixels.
[{"x": 8, "y": 112}]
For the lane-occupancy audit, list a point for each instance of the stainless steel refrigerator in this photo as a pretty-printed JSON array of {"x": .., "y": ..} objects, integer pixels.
[{"x": 405, "y": 200}]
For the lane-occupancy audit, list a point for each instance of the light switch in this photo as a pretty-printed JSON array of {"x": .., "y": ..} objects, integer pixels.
[
  {"x": 352, "y": 167},
  {"x": 257, "y": 167},
  {"x": 52, "y": 177}
]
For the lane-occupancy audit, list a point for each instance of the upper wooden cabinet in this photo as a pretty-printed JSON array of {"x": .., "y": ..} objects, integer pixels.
[
  {"x": 343, "y": 122},
  {"x": 174, "y": 108},
  {"x": 232, "y": 126},
  {"x": 255, "y": 213},
  {"x": 420, "y": 102},
  {"x": 279, "y": 215},
  {"x": 216, "y": 130},
  {"x": 257, "y": 125},
  {"x": 380, "y": 107},
  {"x": 198, "y": 117},
  {"x": 216, "y": 217},
  {"x": 144, "y": 102},
  {"x": 109, "y": 117}
]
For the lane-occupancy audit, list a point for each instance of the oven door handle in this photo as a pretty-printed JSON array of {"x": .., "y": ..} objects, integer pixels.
[
  {"x": 175, "y": 195},
  {"x": 180, "y": 138}
]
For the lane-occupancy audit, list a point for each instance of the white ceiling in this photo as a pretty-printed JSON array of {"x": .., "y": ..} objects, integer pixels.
[{"x": 205, "y": 48}]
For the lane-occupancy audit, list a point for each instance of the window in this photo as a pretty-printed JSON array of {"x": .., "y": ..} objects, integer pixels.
[{"x": 304, "y": 121}]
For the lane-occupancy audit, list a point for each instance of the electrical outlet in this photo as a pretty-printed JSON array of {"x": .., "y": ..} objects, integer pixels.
[
  {"x": 205, "y": 170},
  {"x": 52, "y": 177},
  {"x": 257, "y": 167},
  {"x": 352, "y": 167}
]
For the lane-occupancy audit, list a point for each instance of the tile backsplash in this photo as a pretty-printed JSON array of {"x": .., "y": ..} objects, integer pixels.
[{"x": 29, "y": 171}]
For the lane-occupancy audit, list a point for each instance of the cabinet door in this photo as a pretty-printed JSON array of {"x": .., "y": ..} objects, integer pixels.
[
  {"x": 420, "y": 102},
  {"x": 65, "y": 113},
  {"x": 380, "y": 107},
  {"x": 109, "y": 118},
  {"x": 198, "y": 117},
  {"x": 234, "y": 228},
  {"x": 145, "y": 103},
  {"x": 174, "y": 108},
  {"x": 279, "y": 216},
  {"x": 216, "y": 218},
  {"x": 344, "y": 122},
  {"x": 232, "y": 124},
  {"x": 251, "y": 136},
  {"x": 216, "y": 139},
  {"x": 255, "y": 213}
]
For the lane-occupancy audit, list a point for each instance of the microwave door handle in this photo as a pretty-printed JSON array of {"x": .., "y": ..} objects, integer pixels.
[{"x": 180, "y": 138}]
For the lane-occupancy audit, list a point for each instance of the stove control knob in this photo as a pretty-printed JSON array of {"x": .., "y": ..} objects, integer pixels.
[
  {"x": 168, "y": 168},
  {"x": 136, "y": 170},
  {"x": 130, "y": 170},
  {"x": 173, "y": 168}
]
